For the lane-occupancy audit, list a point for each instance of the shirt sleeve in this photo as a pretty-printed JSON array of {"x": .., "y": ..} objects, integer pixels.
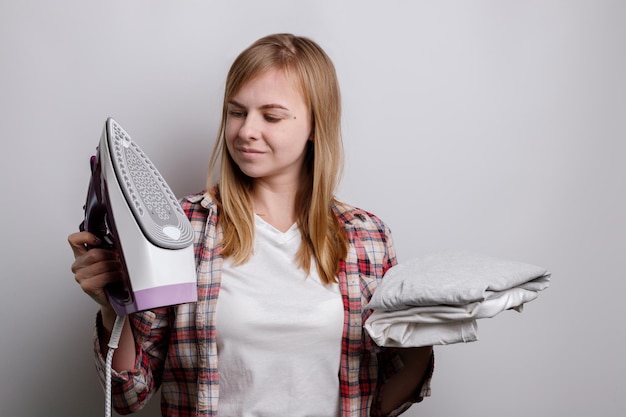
[
  {"x": 131, "y": 389},
  {"x": 389, "y": 361}
]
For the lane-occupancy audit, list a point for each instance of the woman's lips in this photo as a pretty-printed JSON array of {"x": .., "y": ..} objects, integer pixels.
[{"x": 249, "y": 153}]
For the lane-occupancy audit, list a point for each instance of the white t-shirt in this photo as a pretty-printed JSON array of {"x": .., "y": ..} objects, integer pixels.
[{"x": 278, "y": 333}]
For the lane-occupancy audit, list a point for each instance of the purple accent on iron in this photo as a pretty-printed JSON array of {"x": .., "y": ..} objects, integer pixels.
[{"x": 158, "y": 297}]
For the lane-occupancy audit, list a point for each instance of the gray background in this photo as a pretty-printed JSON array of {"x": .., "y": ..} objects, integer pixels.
[{"x": 491, "y": 126}]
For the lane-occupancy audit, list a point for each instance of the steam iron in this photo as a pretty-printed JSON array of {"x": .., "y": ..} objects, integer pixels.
[{"x": 132, "y": 210}]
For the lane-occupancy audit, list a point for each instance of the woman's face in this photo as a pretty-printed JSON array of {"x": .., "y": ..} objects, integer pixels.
[{"x": 268, "y": 127}]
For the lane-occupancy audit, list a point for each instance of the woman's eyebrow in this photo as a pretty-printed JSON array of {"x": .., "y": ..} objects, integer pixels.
[
  {"x": 263, "y": 107},
  {"x": 274, "y": 106},
  {"x": 235, "y": 103}
]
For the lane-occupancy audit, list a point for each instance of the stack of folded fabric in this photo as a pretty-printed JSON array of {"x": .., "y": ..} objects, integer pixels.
[{"x": 436, "y": 299}]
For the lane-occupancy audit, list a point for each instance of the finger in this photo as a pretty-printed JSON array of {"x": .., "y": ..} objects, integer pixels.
[
  {"x": 95, "y": 277},
  {"x": 108, "y": 259},
  {"x": 94, "y": 286},
  {"x": 98, "y": 276},
  {"x": 78, "y": 242}
]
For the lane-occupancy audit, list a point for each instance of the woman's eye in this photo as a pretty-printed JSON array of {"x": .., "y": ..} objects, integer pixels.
[
  {"x": 271, "y": 119},
  {"x": 235, "y": 113}
]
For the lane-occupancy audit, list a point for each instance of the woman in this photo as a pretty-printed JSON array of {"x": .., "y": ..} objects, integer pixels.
[{"x": 284, "y": 269}]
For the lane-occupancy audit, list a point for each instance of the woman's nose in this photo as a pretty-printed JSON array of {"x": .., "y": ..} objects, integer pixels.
[{"x": 250, "y": 128}]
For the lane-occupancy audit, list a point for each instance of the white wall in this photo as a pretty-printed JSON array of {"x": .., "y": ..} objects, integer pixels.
[{"x": 493, "y": 126}]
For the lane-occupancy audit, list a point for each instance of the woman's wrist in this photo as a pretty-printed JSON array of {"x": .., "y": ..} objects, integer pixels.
[{"x": 108, "y": 317}]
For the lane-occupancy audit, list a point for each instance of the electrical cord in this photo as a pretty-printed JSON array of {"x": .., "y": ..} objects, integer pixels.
[{"x": 113, "y": 343}]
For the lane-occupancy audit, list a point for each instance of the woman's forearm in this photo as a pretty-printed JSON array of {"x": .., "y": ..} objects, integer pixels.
[
  {"x": 402, "y": 386},
  {"x": 125, "y": 354}
]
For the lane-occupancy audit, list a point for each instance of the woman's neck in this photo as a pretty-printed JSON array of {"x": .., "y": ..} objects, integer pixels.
[{"x": 275, "y": 203}]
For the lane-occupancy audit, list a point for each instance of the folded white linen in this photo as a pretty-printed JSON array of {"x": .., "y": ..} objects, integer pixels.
[
  {"x": 437, "y": 299},
  {"x": 400, "y": 333},
  {"x": 454, "y": 278}
]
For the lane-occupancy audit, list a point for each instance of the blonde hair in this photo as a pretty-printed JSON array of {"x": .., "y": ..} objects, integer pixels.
[{"x": 323, "y": 236}]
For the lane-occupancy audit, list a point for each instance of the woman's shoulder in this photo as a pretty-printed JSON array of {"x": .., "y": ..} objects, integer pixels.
[
  {"x": 371, "y": 237},
  {"x": 198, "y": 205},
  {"x": 354, "y": 217}
]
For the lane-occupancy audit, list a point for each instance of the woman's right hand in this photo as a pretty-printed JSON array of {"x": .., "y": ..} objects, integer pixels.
[{"x": 94, "y": 267}]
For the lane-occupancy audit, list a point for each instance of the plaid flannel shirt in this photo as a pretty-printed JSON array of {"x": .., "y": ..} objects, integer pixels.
[{"x": 176, "y": 346}]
